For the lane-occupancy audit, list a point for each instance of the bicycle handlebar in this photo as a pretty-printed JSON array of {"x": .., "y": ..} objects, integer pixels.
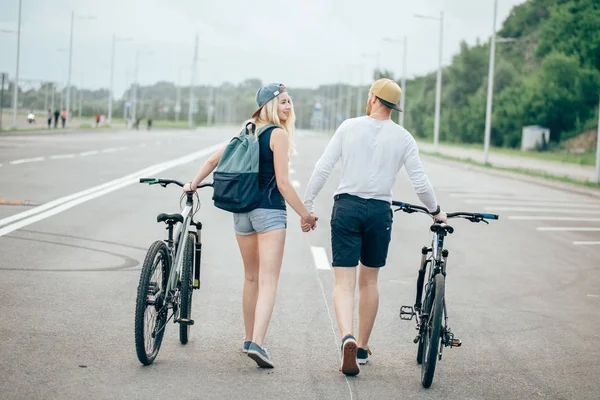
[
  {"x": 473, "y": 217},
  {"x": 166, "y": 182}
]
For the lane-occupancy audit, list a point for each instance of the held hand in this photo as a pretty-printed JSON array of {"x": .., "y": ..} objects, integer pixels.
[{"x": 309, "y": 222}]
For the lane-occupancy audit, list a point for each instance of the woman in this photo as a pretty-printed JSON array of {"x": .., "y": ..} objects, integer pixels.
[{"x": 261, "y": 232}]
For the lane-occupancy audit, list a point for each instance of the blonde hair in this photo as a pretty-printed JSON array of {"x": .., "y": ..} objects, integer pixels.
[{"x": 268, "y": 115}]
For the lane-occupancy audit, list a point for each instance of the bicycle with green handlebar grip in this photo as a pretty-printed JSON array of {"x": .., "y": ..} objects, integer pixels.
[
  {"x": 170, "y": 273},
  {"x": 431, "y": 313}
]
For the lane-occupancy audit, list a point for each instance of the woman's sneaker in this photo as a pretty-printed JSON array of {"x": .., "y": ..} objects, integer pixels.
[
  {"x": 259, "y": 355},
  {"x": 246, "y": 346},
  {"x": 362, "y": 355},
  {"x": 349, "y": 364}
]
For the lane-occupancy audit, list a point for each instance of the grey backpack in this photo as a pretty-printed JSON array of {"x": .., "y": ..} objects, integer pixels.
[{"x": 235, "y": 180}]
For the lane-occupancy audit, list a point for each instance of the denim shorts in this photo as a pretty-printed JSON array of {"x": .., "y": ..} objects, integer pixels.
[{"x": 260, "y": 220}]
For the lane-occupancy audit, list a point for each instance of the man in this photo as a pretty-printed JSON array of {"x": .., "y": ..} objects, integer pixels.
[{"x": 373, "y": 149}]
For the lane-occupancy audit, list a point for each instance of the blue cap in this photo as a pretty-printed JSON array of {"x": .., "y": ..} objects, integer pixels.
[{"x": 266, "y": 94}]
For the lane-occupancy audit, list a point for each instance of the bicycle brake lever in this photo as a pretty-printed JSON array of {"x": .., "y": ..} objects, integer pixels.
[{"x": 483, "y": 220}]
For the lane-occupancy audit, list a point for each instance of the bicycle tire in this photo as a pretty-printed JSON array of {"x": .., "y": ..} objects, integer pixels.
[
  {"x": 145, "y": 288},
  {"x": 186, "y": 289},
  {"x": 431, "y": 341},
  {"x": 420, "y": 352}
]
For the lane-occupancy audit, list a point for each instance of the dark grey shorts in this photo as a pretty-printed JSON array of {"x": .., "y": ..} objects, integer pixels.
[{"x": 361, "y": 229}]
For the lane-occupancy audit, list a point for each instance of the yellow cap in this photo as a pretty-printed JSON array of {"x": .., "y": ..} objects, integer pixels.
[{"x": 388, "y": 92}]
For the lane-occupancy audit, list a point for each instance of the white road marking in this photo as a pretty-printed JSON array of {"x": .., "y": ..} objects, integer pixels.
[
  {"x": 64, "y": 203},
  {"x": 569, "y": 228},
  {"x": 593, "y": 295},
  {"x": 583, "y": 243},
  {"x": 505, "y": 196},
  {"x": 552, "y": 218},
  {"x": 320, "y": 257},
  {"x": 565, "y": 210},
  {"x": 143, "y": 145},
  {"x": 531, "y": 203},
  {"x": 292, "y": 171},
  {"x": 89, "y": 153},
  {"x": 296, "y": 184},
  {"x": 294, "y": 152},
  {"x": 27, "y": 160},
  {"x": 61, "y": 156},
  {"x": 110, "y": 150}
]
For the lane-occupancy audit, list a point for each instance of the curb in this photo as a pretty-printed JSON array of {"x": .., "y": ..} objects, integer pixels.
[{"x": 567, "y": 187}]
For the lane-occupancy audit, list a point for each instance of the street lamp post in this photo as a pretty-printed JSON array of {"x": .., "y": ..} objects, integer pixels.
[
  {"x": 438, "y": 86},
  {"x": 490, "y": 89},
  {"x": 403, "y": 83},
  {"x": 598, "y": 147},
  {"x": 68, "y": 94},
  {"x": 16, "y": 83},
  {"x": 112, "y": 74}
]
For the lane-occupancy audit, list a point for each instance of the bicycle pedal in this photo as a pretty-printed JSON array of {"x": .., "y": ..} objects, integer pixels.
[
  {"x": 454, "y": 342},
  {"x": 417, "y": 339},
  {"x": 185, "y": 321},
  {"x": 407, "y": 313}
]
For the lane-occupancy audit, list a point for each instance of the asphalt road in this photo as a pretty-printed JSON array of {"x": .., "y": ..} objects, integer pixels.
[{"x": 523, "y": 293}]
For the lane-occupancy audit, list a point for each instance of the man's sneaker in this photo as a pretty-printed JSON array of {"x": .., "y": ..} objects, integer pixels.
[
  {"x": 246, "y": 346},
  {"x": 349, "y": 348},
  {"x": 362, "y": 355},
  {"x": 259, "y": 355}
]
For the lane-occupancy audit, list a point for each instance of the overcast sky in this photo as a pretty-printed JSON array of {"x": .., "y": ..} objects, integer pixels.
[{"x": 302, "y": 43}]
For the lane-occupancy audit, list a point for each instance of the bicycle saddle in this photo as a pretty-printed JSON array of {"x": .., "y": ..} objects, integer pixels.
[{"x": 169, "y": 218}]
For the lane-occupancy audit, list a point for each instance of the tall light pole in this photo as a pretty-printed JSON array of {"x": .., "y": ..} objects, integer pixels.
[
  {"x": 112, "y": 74},
  {"x": 192, "y": 77},
  {"x": 490, "y": 89},
  {"x": 403, "y": 83},
  {"x": 68, "y": 101},
  {"x": 16, "y": 84},
  {"x": 438, "y": 86},
  {"x": 598, "y": 147}
]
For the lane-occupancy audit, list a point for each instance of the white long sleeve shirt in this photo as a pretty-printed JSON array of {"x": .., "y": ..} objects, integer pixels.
[{"x": 372, "y": 153}]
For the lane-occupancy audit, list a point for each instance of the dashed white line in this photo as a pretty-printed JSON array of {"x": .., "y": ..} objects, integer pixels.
[
  {"x": 593, "y": 295},
  {"x": 320, "y": 257},
  {"x": 552, "y": 218},
  {"x": 62, "y": 156},
  {"x": 110, "y": 150},
  {"x": 544, "y": 210},
  {"x": 583, "y": 243},
  {"x": 569, "y": 228},
  {"x": 296, "y": 184},
  {"x": 89, "y": 153},
  {"x": 543, "y": 203},
  {"x": 27, "y": 160}
]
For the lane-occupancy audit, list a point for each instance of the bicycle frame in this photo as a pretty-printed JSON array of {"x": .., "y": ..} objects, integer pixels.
[{"x": 181, "y": 231}]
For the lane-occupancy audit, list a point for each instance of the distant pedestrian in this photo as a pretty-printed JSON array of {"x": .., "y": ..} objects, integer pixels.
[
  {"x": 49, "y": 117},
  {"x": 56, "y": 115},
  {"x": 63, "y": 117}
]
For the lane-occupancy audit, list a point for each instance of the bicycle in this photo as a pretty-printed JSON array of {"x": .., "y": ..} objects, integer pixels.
[
  {"x": 432, "y": 311},
  {"x": 170, "y": 286}
]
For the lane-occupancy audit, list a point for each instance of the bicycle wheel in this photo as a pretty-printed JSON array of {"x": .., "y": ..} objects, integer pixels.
[
  {"x": 186, "y": 289},
  {"x": 431, "y": 342},
  {"x": 150, "y": 313}
]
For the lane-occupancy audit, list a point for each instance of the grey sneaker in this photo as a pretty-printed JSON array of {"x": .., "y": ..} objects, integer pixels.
[
  {"x": 362, "y": 355},
  {"x": 349, "y": 365},
  {"x": 260, "y": 355},
  {"x": 246, "y": 346}
]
